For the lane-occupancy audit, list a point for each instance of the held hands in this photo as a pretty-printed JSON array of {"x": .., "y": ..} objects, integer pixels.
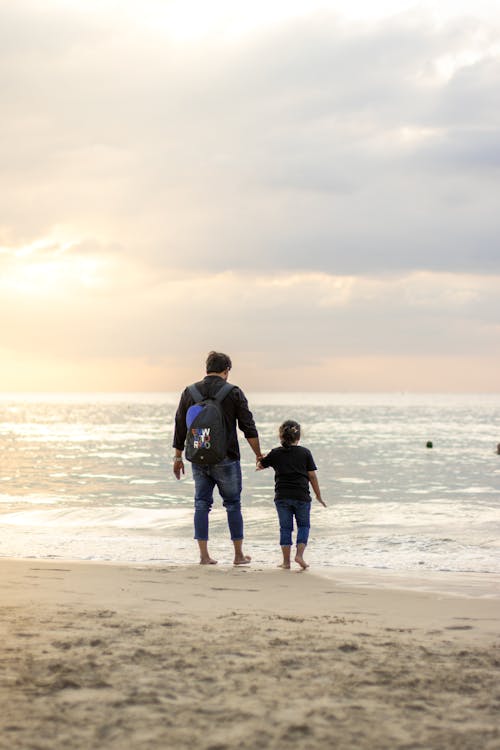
[{"x": 258, "y": 465}]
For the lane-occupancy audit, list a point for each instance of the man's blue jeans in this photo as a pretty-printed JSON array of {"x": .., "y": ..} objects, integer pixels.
[
  {"x": 226, "y": 476},
  {"x": 287, "y": 511}
]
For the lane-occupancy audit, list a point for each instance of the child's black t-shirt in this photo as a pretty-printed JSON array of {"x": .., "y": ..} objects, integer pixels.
[{"x": 290, "y": 464}]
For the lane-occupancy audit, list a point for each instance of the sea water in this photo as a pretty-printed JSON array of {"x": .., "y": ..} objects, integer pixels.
[{"x": 89, "y": 477}]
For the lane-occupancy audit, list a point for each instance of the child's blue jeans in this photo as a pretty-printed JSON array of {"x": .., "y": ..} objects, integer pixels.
[
  {"x": 227, "y": 477},
  {"x": 287, "y": 511}
]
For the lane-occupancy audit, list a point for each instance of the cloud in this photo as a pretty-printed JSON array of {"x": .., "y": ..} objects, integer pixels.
[
  {"x": 306, "y": 192},
  {"x": 104, "y": 306},
  {"x": 287, "y": 148}
]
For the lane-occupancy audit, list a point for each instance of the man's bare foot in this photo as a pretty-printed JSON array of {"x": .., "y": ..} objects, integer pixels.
[
  {"x": 207, "y": 561},
  {"x": 285, "y": 566},
  {"x": 300, "y": 560},
  {"x": 241, "y": 560}
]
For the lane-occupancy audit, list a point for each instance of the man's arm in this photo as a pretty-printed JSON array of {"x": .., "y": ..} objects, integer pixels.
[
  {"x": 255, "y": 446},
  {"x": 246, "y": 423},
  {"x": 315, "y": 485}
]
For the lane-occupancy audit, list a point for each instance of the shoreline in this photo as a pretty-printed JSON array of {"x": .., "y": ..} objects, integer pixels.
[{"x": 466, "y": 584}]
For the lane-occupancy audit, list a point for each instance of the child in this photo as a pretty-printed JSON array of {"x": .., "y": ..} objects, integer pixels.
[{"x": 294, "y": 469}]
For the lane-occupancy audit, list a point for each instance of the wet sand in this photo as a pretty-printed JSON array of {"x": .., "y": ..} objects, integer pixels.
[{"x": 103, "y": 656}]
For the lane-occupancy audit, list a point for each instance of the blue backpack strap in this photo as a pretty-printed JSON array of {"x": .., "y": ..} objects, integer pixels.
[
  {"x": 195, "y": 394},
  {"x": 223, "y": 392}
]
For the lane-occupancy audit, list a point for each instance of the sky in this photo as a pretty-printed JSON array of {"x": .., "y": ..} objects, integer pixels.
[{"x": 311, "y": 187}]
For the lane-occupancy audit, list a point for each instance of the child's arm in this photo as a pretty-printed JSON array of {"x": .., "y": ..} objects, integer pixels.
[{"x": 314, "y": 484}]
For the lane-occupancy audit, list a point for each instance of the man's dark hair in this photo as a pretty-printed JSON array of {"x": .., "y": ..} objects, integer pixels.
[{"x": 218, "y": 362}]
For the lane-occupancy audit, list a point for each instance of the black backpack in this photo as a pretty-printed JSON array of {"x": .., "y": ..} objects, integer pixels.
[{"x": 206, "y": 441}]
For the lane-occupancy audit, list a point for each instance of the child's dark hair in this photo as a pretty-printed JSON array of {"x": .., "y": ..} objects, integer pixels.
[{"x": 289, "y": 432}]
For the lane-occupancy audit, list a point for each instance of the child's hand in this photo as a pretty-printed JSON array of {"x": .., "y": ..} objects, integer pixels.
[{"x": 258, "y": 465}]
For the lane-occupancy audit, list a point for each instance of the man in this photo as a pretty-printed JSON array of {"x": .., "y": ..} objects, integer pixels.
[{"x": 226, "y": 475}]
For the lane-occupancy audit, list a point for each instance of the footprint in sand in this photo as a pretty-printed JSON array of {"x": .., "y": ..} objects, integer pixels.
[
  {"x": 226, "y": 588},
  {"x": 459, "y": 627}
]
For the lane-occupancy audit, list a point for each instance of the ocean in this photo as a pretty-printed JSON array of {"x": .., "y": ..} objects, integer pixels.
[{"x": 89, "y": 477}]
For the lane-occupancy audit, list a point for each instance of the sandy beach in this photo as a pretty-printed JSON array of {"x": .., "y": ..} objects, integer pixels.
[{"x": 103, "y": 656}]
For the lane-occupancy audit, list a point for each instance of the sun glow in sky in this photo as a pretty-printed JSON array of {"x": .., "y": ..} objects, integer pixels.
[
  {"x": 310, "y": 186},
  {"x": 47, "y": 267}
]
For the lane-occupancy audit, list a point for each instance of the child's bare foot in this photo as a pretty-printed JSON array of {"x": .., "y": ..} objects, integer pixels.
[
  {"x": 284, "y": 565},
  {"x": 241, "y": 559},
  {"x": 207, "y": 561},
  {"x": 300, "y": 560}
]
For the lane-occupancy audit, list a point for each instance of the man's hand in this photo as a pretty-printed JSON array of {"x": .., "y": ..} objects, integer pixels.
[
  {"x": 320, "y": 500},
  {"x": 178, "y": 467}
]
